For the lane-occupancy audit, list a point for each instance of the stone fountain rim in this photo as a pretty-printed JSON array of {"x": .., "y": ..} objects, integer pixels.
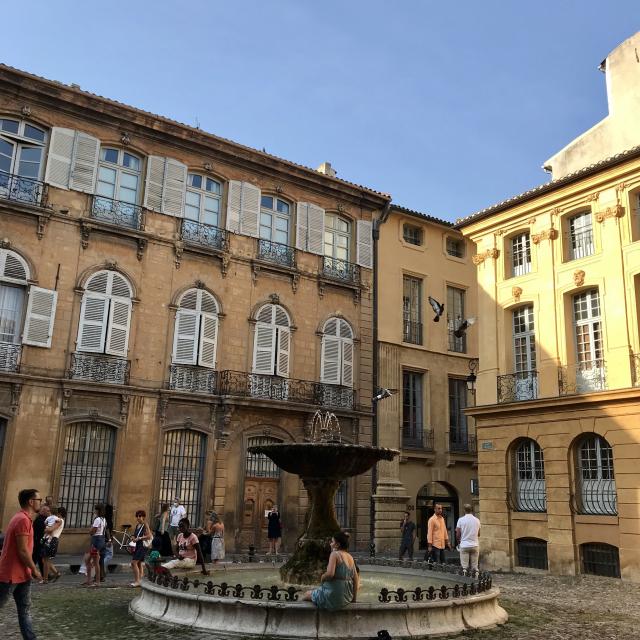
[{"x": 260, "y": 448}]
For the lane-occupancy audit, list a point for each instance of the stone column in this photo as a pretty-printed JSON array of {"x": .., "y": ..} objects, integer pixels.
[{"x": 390, "y": 500}]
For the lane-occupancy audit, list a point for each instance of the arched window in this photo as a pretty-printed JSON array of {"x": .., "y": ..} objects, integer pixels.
[
  {"x": 530, "y": 486},
  {"x": 337, "y": 353},
  {"x": 272, "y": 341},
  {"x": 196, "y": 329},
  {"x": 182, "y": 473},
  {"x": 14, "y": 274},
  {"x": 87, "y": 469},
  {"x": 202, "y": 203},
  {"x": 595, "y": 480},
  {"x": 257, "y": 465},
  {"x": 600, "y": 559},
  {"x": 531, "y": 552}
]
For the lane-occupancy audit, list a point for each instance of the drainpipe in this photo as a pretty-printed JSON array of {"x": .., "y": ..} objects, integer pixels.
[{"x": 377, "y": 223}]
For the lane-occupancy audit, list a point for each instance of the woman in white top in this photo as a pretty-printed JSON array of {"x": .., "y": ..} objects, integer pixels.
[
  {"x": 53, "y": 530},
  {"x": 92, "y": 558}
]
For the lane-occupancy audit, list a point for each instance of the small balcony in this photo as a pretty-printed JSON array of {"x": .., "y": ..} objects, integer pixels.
[
  {"x": 281, "y": 254},
  {"x": 117, "y": 212},
  {"x": 412, "y": 332},
  {"x": 96, "y": 367},
  {"x": 419, "y": 441},
  {"x": 10, "y": 357},
  {"x": 585, "y": 377},
  {"x": 340, "y": 270},
  {"x": 334, "y": 396},
  {"x": 462, "y": 442},
  {"x": 204, "y": 235},
  {"x": 184, "y": 377},
  {"x": 21, "y": 189},
  {"x": 515, "y": 387}
]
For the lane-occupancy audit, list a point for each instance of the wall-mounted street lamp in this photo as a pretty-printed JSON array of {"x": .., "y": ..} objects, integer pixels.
[{"x": 471, "y": 378}]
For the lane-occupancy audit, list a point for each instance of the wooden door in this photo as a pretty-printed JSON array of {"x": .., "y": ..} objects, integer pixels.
[{"x": 260, "y": 494}]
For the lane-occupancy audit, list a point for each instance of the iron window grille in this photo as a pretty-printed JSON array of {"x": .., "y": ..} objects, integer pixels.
[
  {"x": 21, "y": 189},
  {"x": 595, "y": 480},
  {"x": 205, "y": 235},
  {"x": 520, "y": 254},
  {"x": 10, "y": 357},
  {"x": 455, "y": 247},
  {"x": 532, "y": 553},
  {"x": 118, "y": 212},
  {"x": 412, "y": 234},
  {"x": 257, "y": 465},
  {"x": 422, "y": 442},
  {"x": 87, "y": 469},
  {"x": 412, "y": 406},
  {"x": 340, "y": 503},
  {"x": 530, "y": 484},
  {"x": 411, "y": 310},
  {"x": 600, "y": 559},
  {"x": 580, "y": 236},
  {"x": 276, "y": 253},
  {"x": 455, "y": 317}
]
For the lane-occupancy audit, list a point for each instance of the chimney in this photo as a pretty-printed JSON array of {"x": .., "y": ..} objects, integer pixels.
[{"x": 327, "y": 169}]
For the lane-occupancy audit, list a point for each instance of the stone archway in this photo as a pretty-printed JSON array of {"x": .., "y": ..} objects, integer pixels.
[{"x": 429, "y": 495}]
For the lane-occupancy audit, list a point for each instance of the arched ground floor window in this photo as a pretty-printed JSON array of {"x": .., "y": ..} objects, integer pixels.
[
  {"x": 531, "y": 552},
  {"x": 600, "y": 559}
]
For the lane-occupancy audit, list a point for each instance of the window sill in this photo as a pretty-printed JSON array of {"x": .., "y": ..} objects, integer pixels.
[
  {"x": 462, "y": 260},
  {"x": 594, "y": 519},
  {"x": 536, "y": 516}
]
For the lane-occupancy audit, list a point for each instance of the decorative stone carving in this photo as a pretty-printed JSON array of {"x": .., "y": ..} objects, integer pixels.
[
  {"x": 616, "y": 211},
  {"x": 578, "y": 277},
  {"x": 208, "y": 166},
  {"x": 16, "y": 392},
  {"x": 125, "y": 138},
  {"x": 5, "y": 243},
  {"x": 556, "y": 211},
  {"x": 85, "y": 233},
  {"x": 547, "y": 234},
  {"x": 111, "y": 265},
  {"x": 224, "y": 266},
  {"x": 178, "y": 248},
  {"x": 516, "y": 292},
  {"x": 66, "y": 396},
  {"x": 593, "y": 197},
  {"x": 125, "y": 398},
  {"x": 278, "y": 188},
  {"x": 26, "y": 111},
  {"x": 163, "y": 403},
  {"x": 295, "y": 281},
  {"x": 531, "y": 221},
  {"x": 479, "y": 258},
  {"x": 199, "y": 284},
  {"x": 142, "y": 245},
  {"x": 43, "y": 219},
  {"x": 274, "y": 298}
]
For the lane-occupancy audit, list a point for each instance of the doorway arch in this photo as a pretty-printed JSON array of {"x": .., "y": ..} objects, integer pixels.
[{"x": 429, "y": 495}]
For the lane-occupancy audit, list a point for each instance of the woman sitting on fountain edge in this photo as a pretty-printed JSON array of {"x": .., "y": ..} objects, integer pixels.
[{"x": 340, "y": 582}]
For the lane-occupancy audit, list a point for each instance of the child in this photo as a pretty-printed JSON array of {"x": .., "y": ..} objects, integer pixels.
[{"x": 53, "y": 527}]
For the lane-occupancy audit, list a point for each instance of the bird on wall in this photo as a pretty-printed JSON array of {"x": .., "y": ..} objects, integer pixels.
[
  {"x": 438, "y": 308},
  {"x": 463, "y": 326}
]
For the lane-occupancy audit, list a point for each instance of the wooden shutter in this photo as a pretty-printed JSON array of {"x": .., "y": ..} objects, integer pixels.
[
  {"x": 84, "y": 167},
  {"x": 185, "y": 337},
  {"x": 347, "y": 363},
  {"x": 264, "y": 348},
  {"x": 365, "y": 244},
  {"x": 41, "y": 311},
  {"x": 234, "y": 204},
  {"x": 316, "y": 230},
  {"x": 250, "y": 210},
  {"x": 118, "y": 332},
  {"x": 208, "y": 340},
  {"x": 330, "y": 365},
  {"x": 175, "y": 186},
  {"x": 93, "y": 323},
  {"x": 302, "y": 225},
  {"x": 58, "y": 171},
  {"x": 284, "y": 345},
  {"x": 154, "y": 183}
]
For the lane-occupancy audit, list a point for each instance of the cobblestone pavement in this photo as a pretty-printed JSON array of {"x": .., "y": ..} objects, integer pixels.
[{"x": 540, "y": 608}]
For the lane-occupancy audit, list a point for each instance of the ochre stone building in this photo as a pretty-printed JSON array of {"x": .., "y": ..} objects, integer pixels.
[
  {"x": 558, "y": 415},
  {"x": 167, "y": 299}
]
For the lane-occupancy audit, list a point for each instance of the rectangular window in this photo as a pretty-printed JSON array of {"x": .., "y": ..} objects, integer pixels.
[
  {"x": 340, "y": 504},
  {"x": 455, "y": 318},
  {"x": 412, "y": 234},
  {"x": 520, "y": 254},
  {"x": 412, "y": 408},
  {"x": 412, "y": 310},
  {"x": 11, "y": 311},
  {"x": 458, "y": 432},
  {"x": 455, "y": 247},
  {"x": 581, "y": 236},
  {"x": 532, "y": 553}
]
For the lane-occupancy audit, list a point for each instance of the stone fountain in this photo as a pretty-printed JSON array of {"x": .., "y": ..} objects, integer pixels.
[{"x": 322, "y": 464}]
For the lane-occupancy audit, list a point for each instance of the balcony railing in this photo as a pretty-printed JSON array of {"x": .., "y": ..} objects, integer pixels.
[
  {"x": 514, "y": 387},
  {"x": 334, "y": 396},
  {"x": 204, "y": 235},
  {"x": 341, "y": 270},
  {"x": 277, "y": 253},
  {"x": 462, "y": 442},
  {"x": 99, "y": 368},
  {"x": 10, "y": 357},
  {"x": 585, "y": 377},
  {"x": 21, "y": 189},
  {"x": 184, "y": 377},
  {"x": 420, "y": 441},
  {"x": 122, "y": 214},
  {"x": 412, "y": 332}
]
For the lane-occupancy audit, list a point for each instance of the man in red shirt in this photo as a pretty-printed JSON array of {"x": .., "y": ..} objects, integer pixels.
[{"x": 16, "y": 565}]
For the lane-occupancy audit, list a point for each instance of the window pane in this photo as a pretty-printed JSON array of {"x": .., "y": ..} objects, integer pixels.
[
  {"x": 283, "y": 207},
  {"x": 213, "y": 186},
  {"x": 282, "y": 224},
  {"x": 11, "y": 307},
  {"x": 6, "y": 155},
  {"x": 194, "y": 180},
  {"x": 33, "y": 133},
  {"x": 131, "y": 162},
  {"x": 11, "y": 126},
  {"x": 193, "y": 199},
  {"x": 128, "y": 181},
  {"x": 109, "y": 155},
  {"x": 267, "y": 202},
  {"x": 191, "y": 212}
]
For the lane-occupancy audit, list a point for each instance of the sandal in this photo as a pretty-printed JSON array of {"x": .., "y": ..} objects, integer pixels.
[
  {"x": 134, "y": 584},
  {"x": 55, "y": 577},
  {"x": 42, "y": 581}
]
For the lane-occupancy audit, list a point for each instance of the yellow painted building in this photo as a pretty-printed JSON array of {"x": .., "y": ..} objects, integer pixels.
[{"x": 558, "y": 414}]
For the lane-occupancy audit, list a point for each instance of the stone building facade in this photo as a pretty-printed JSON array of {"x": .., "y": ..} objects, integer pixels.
[{"x": 167, "y": 299}]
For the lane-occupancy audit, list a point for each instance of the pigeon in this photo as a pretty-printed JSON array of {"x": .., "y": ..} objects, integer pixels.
[
  {"x": 383, "y": 393},
  {"x": 438, "y": 308},
  {"x": 463, "y": 326}
]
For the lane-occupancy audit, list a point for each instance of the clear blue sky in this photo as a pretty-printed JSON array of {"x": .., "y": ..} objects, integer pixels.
[{"x": 448, "y": 106}]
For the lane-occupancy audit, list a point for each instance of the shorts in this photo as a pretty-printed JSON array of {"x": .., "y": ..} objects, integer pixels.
[
  {"x": 49, "y": 548},
  {"x": 180, "y": 563}
]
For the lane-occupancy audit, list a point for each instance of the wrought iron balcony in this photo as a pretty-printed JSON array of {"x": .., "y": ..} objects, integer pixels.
[
  {"x": 277, "y": 253},
  {"x": 204, "y": 235},
  {"x": 337, "y": 269},
  {"x": 122, "y": 214},
  {"x": 585, "y": 377},
  {"x": 412, "y": 332},
  {"x": 462, "y": 442},
  {"x": 184, "y": 377},
  {"x": 529, "y": 496},
  {"x": 10, "y": 357},
  {"x": 21, "y": 189},
  {"x": 334, "y": 396},
  {"x": 595, "y": 496},
  {"x": 420, "y": 442},
  {"x": 98, "y": 367},
  {"x": 514, "y": 387}
]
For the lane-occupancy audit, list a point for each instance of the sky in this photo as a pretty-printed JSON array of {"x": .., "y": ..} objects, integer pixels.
[{"x": 449, "y": 107}]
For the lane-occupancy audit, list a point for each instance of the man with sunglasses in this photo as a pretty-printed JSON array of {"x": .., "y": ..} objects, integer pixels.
[{"x": 16, "y": 564}]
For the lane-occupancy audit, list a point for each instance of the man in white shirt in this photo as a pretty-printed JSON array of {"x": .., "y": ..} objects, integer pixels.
[
  {"x": 467, "y": 534},
  {"x": 177, "y": 513}
]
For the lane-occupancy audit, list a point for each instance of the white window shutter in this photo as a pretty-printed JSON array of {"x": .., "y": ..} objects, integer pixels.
[
  {"x": 41, "y": 312},
  {"x": 365, "y": 244},
  {"x": 154, "y": 183},
  {"x": 347, "y": 363},
  {"x": 93, "y": 323},
  {"x": 316, "y": 230},
  {"x": 234, "y": 205},
  {"x": 84, "y": 167},
  {"x": 302, "y": 225},
  {"x": 264, "y": 349},
  {"x": 330, "y": 364},
  {"x": 250, "y": 210},
  {"x": 175, "y": 186},
  {"x": 118, "y": 332},
  {"x": 208, "y": 340},
  {"x": 61, "y": 145},
  {"x": 185, "y": 337},
  {"x": 284, "y": 346}
]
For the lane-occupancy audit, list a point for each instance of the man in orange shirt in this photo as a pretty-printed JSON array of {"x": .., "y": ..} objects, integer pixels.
[
  {"x": 437, "y": 536},
  {"x": 16, "y": 565}
]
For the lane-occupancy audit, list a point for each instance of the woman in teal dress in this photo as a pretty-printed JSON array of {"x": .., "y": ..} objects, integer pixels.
[{"x": 340, "y": 582}]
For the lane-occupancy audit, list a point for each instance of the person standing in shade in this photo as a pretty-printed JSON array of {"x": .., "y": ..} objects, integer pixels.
[
  {"x": 16, "y": 564},
  {"x": 177, "y": 513},
  {"x": 437, "y": 536},
  {"x": 274, "y": 529},
  {"x": 39, "y": 525},
  {"x": 141, "y": 535},
  {"x": 161, "y": 530},
  {"x": 407, "y": 536},
  {"x": 217, "y": 538},
  {"x": 467, "y": 534}
]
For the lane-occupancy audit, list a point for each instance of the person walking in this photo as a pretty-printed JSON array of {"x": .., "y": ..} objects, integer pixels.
[
  {"x": 39, "y": 525},
  {"x": 407, "y": 536},
  {"x": 467, "y": 534},
  {"x": 437, "y": 536},
  {"x": 141, "y": 535},
  {"x": 17, "y": 567},
  {"x": 161, "y": 530},
  {"x": 274, "y": 530},
  {"x": 217, "y": 538},
  {"x": 188, "y": 550},
  {"x": 177, "y": 513},
  {"x": 52, "y": 533},
  {"x": 98, "y": 543}
]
